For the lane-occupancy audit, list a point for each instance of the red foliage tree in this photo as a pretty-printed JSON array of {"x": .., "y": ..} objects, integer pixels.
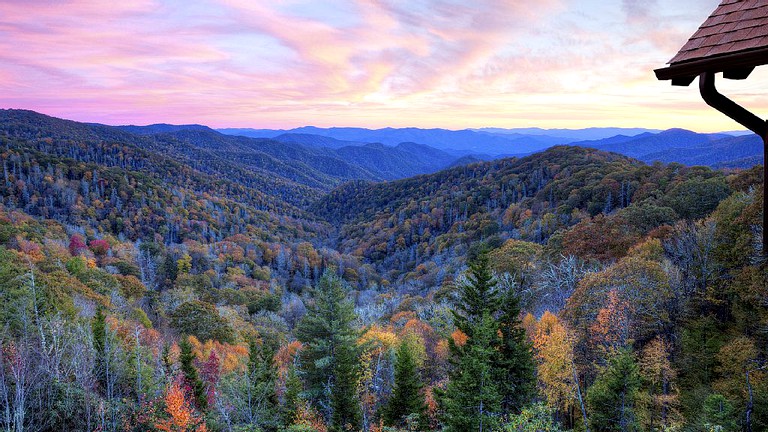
[
  {"x": 99, "y": 247},
  {"x": 210, "y": 372},
  {"x": 76, "y": 245}
]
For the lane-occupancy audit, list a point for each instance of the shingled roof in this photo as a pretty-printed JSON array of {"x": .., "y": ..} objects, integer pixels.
[{"x": 733, "y": 40}]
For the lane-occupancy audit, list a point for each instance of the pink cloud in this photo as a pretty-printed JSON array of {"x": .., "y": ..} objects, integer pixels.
[{"x": 378, "y": 63}]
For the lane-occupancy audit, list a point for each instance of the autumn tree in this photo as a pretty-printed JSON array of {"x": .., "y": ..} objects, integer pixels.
[
  {"x": 610, "y": 331},
  {"x": 659, "y": 395},
  {"x": 182, "y": 417},
  {"x": 184, "y": 264},
  {"x": 557, "y": 375},
  {"x": 76, "y": 245},
  {"x": 376, "y": 368}
]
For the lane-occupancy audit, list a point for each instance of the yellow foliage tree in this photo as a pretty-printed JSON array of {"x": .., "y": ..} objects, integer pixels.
[
  {"x": 659, "y": 401},
  {"x": 554, "y": 352}
]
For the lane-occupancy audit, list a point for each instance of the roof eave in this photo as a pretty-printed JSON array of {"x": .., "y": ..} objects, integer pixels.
[{"x": 735, "y": 66}]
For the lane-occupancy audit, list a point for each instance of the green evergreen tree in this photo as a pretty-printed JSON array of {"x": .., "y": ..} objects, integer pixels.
[
  {"x": 472, "y": 398},
  {"x": 514, "y": 362},
  {"x": 262, "y": 375},
  {"x": 477, "y": 296},
  {"x": 503, "y": 351},
  {"x": 407, "y": 398},
  {"x": 165, "y": 357},
  {"x": 330, "y": 358},
  {"x": 292, "y": 398},
  {"x": 191, "y": 377},
  {"x": 718, "y": 414},
  {"x": 99, "y": 330},
  {"x": 347, "y": 415},
  {"x": 611, "y": 399}
]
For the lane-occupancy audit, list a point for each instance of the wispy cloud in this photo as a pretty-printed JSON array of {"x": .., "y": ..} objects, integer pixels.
[{"x": 351, "y": 62}]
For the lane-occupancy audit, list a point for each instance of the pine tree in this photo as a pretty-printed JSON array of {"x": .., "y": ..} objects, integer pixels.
[
  {"x": 262, "y": 374},
  {"x": 718, "y": 413},
  {"x": 407, "y": 397},
  {"x": 514, "y": 362},
  {"x": 472, "y": 399},
  {"x": 346, "y": 415},
  {"x": 191, "y": 377},
  {"x": 330, "y": 358},
  {"x": 611, "y": 399},
  {"x": 497, "y": 345},
  {"x": 292, "y": 396},
  {"x": 99, "y": 330},
  {"x": 478, "y": 295}
]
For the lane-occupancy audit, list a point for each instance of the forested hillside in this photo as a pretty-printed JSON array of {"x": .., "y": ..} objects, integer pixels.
[
  {"x": 178, "y": 279},
  {"x": 429, "y": 221}
]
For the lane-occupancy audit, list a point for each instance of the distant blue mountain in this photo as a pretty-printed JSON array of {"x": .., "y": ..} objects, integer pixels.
[
  {"x": 162, "y": 128},
  {"x": 669, "y": 139},
  {"x": 460, "y": 141},
  {"x": 594, "y": 133},
  {"x": 731, "y": 149},
  {"x": 733, "y": 152},
  {"x": 686, "y": 147},
  {"x": 310, "y": 140}
]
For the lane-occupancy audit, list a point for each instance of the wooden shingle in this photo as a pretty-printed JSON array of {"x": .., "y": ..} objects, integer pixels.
[{"x": 735, "y": 36}]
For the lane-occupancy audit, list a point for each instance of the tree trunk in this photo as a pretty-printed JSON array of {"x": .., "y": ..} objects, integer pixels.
[
  {"x": 748, "y": 419},
  {"x": 578, "y": 394}
]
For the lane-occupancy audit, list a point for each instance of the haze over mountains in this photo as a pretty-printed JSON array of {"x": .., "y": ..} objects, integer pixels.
[{"x": 727, "y": 149}]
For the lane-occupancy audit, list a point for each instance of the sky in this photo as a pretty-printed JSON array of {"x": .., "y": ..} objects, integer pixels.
[{"x": 366, "y": 63}]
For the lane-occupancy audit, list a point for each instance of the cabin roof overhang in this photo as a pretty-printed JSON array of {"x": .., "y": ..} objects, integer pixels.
[
  {"x": 736, "y": 65},
  {"x": 732, "y": 41}
]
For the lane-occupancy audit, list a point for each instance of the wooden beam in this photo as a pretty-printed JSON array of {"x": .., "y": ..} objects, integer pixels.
[{"x": 738, "y": 73}]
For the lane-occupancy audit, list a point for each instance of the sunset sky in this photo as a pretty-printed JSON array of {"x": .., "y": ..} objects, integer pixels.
[{"x": 368, "y": 63}]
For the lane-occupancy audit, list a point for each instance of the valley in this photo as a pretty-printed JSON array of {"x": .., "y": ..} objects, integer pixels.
[{"x": 215, "y": 268}]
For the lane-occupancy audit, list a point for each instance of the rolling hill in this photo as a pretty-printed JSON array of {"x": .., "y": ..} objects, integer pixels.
[{"x": 272, "y": 167}]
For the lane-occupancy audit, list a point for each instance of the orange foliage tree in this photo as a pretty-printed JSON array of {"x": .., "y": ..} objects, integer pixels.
[
  {"x": 610, "y": 331},
  {"x": 182, "y": 417}
]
